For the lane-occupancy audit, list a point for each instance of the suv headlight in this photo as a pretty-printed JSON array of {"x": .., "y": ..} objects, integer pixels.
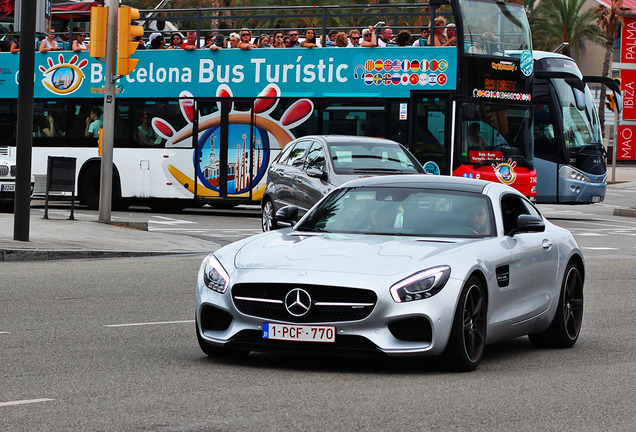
[
  {"x": 421, "y": 285},
  {"x": 214, "y": 275}
]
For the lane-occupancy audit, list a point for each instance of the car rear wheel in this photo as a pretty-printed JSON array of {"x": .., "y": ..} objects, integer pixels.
[
  {"x": 566, "y": 325},
  {"x": 215, "y": 351},
  {"x": 268, "y": 216},
  {"x": 465, "y": 348}
]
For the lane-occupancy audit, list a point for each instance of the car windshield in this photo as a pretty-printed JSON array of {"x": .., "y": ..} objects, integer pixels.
[
  {"x": 357, "y": 158},
  {"x": 403, "y": 211}
]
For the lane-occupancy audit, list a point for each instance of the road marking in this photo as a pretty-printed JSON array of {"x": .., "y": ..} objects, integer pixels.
[
  {"x": 24, "y": 402},
  {"x": 149, "y": 323},
  {"x": 592, "y": 235},
  {"x": 3, "y": 332},
  {"x": 599, "y": 248}
]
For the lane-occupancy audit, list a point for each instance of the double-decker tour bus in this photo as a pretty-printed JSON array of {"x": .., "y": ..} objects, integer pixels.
[
  {"x": 201, "y": 126},
  {"x": 570, "y": 158}
]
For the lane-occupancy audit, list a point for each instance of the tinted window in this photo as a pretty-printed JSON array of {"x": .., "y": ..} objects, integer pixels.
[
  {"x": 297, "y": 154},
  {"x": 315, "y": 157}
]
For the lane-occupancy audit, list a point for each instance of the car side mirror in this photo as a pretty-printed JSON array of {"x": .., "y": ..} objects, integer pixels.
[
  {"x": 287, "y": 216},
  {"x": 528, "y": 223},
  {"x": 316, "y": 173}
]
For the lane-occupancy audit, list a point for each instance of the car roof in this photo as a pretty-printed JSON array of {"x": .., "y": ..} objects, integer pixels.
[
  {"x": 352, "y": 139},
  {"x": 426, "y": 181}
]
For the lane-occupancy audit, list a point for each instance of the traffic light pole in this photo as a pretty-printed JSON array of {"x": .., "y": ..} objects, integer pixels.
[{"x": 106, "y": 180}]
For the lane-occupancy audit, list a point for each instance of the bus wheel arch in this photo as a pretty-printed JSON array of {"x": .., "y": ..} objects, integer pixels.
[{"x": 88, "y": 185}]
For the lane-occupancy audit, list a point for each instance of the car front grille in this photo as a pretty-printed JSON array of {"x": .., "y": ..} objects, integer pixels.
[{"x": 328, "y": 303}]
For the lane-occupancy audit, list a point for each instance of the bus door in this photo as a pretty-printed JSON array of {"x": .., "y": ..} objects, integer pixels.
[
  {"x": 228, "y": 151},
  {"x": 428, "y": 123}
]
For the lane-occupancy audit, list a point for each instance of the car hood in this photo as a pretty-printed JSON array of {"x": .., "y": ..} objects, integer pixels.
[{"x": 343, "y": 253}]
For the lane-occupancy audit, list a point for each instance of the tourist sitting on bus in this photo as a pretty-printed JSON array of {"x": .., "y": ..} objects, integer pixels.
[
  {"x": 425, "y": 33},
  {"x": 292, "y": 42},
  {"x": 15, "y": 44},
  {"x": 354, "y": 39},
  {"x": 63, "y": 39},
  {"x": 246, "y": 40},
  {"x": 475, "y": 140},
  {"x": 157, "y": 41},
  {"x": 219, "y": 42},
  {"x": 175, "y": 41},
  {"x": 386, "y": 37},
  {"x": 451, "y": 35},
  {"x": 233, "y": 40},
  {"x": 331, "y": 40},
  {"x": 278, "y": 40},
  {"x": 310, "y": 39},
  {"x": 263, "y": 41},
  {"x": 341, "y": 40},
  {"x": 438, "y": 38},
  {"x": 49, "y": 44},
  {"x": 145, "y": 134},
  {"x": 191, "y": 42},
  {"x": 79, "y": 43},
  {"x": 94, "y": 123},
  {"x": 369, "y": 38},
  {"x": 478, "y": 46},
  {"x": 208, "y": 41},
  {"x": 403, "y": 39},
  {"x": 46, "y": 127}
]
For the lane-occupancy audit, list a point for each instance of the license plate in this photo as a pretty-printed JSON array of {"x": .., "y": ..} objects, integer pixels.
[
  {"x": 8, "y": 188},
  {"x": 300, "y": 333}
]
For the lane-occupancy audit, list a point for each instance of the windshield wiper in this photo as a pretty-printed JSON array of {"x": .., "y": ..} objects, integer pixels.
[{"x": 311, "y": 229}]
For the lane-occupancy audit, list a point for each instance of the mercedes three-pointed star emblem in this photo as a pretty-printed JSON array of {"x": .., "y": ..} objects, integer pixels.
[{"x": 297, "y": 302}]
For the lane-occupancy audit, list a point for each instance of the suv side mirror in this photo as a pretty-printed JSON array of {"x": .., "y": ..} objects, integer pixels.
[
  {"x": 528, "y": 223},
  {"x": 287, "y": 216},
  {"x": 316, "y": 173}
]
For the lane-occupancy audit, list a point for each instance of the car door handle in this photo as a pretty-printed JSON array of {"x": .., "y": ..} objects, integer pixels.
[{"x": 547, "y": 244}]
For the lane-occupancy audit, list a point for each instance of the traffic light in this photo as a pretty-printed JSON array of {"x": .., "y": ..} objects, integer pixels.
[
  {"x": 99, "y": 32},
  {"x": 610, "y": 101},
  {"x": 125, "y": 46}
]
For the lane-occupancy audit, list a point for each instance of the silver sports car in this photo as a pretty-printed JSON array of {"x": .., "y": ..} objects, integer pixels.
[{"x": 398, "y": 265}]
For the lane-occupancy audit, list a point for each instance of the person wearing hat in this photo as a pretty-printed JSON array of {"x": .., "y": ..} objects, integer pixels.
[
  {"x": 219, "y": 42},
  {"x": 157, "y": 41},
  {"x": 369, "y": 39}
]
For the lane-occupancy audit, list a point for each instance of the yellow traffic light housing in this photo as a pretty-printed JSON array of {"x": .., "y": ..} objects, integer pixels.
[
  {"x": 610, "y": 101},
  {"x": 99, "y": 32},
  {"x": 125, "y": 46}
]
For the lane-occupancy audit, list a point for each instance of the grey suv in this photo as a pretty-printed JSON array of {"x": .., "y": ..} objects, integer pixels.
[{"x": 311, "y": 166}]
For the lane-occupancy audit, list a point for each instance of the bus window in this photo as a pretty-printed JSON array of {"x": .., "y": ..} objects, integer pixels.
[
  {"x": 495, "y": 133},
  {"x": 49, "y": 119},
  {"x": 347, "y": 118}
]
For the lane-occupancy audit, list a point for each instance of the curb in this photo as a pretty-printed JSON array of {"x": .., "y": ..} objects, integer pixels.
[
  {"x": 629, "y": 212},
  {"x": 17, "y": 255}
]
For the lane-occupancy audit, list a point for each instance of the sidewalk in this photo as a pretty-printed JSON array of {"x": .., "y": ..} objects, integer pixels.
[{"x": 59, "y": 238}]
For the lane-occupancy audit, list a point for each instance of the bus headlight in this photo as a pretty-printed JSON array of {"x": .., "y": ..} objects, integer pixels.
[{"x": 573, "y": 174}]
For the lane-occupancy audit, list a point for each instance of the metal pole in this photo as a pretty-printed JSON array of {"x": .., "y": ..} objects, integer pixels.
[
  {"x": 615, "y": 146},
  {"x": 106, "y": 179},
  {"x": 24, "y": 142}
]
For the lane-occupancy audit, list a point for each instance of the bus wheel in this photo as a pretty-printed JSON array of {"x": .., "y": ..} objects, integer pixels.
[{"x": 89, "y": 185}]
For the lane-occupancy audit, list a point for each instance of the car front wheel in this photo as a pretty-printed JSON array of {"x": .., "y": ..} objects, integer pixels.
[
  {"x": 465, "y": 348},
  {"x": 566, "y": 325},
  {"x": 268, "y": 216}
]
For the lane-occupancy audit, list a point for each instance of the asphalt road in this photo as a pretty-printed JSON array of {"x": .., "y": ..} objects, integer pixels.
[{"x": 109, "y": 345}]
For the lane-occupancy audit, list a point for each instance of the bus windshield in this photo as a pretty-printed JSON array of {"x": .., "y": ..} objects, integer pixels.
[
  {"x": 581, "y": 127},
  {"x": 495, "y": 133},
  {"x": 508, "y": 31}
]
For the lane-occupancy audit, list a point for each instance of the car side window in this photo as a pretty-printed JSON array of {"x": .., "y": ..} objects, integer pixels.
[
  {"x": 297, "y": 155},
  {"x": 315, "y": 157},
  {"x": 511, "y": 207},
  {"x": 284, "y": 155}
]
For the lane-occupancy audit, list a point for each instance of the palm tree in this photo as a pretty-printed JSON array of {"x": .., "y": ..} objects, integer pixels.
[
  {"x": 609, "y": 20},
  {"x": 559, "y": 21}
]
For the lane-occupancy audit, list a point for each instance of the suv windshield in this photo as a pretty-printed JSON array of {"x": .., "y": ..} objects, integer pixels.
[
  {"x": 403, "y": 211},
  {"x": 355, "y": 158}
]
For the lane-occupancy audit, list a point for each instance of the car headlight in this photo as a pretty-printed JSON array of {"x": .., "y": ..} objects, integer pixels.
[
  {"x": 421, "y": 285},
  {"x": 214, "y": 275}
]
